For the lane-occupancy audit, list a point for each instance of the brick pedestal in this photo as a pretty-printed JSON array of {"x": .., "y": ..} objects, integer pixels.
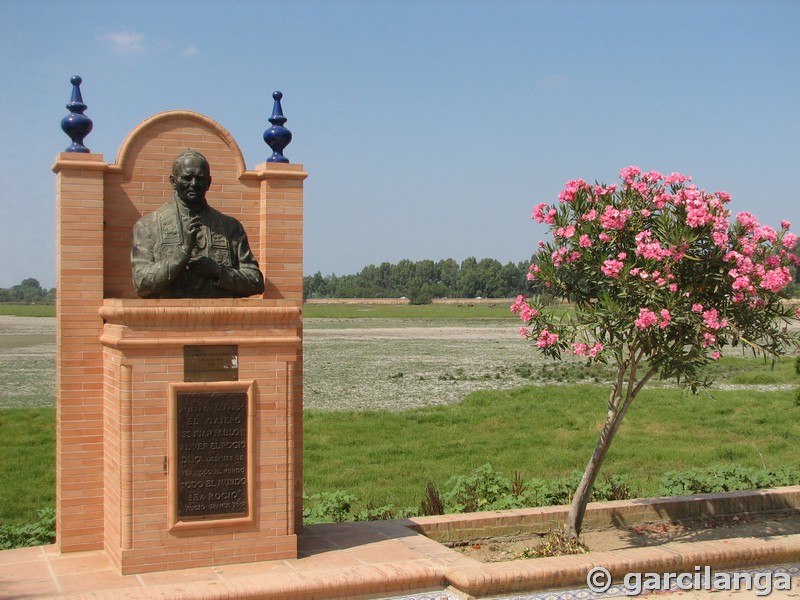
[
  {"x": 144, "y": 345},
  {"x": 122, "y": 374}
]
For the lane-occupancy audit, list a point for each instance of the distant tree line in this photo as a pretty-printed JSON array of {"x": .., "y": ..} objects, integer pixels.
[
  {"x": 30, "y": 291},
  {"x": 424, "y": 280}
]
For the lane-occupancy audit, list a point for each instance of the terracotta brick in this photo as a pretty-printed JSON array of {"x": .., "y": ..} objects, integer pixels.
[{"x": 112, "y": 434}]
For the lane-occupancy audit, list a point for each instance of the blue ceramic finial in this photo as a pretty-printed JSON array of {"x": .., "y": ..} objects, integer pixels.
[
  {"x": 76, "y": 125},
  {"x": 277, "y": 136}
]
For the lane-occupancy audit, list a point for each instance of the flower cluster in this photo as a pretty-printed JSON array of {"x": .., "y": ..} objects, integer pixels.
[{"x": 657, "y": 265}]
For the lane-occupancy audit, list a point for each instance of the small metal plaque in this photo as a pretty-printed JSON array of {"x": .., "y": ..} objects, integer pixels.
[
  {"x": 212, "y": 454},
  {"x": 210, "y": 363}
]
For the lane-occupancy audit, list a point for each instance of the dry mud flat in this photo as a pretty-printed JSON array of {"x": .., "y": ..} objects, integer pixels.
[
  {"x": 351, "y": 364},
  {"x": 396, "y": 367},
  {"x": 27, "y": 361}
]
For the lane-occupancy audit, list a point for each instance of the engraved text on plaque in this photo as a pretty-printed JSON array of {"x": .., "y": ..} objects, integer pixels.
[{"x": 212, "y": 454}]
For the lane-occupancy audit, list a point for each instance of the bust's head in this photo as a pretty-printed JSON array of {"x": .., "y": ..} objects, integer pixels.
[{"x": 191, "y": 178}]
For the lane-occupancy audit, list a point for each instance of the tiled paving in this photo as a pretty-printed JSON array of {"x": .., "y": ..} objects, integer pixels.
[{"x": 382, "y": 559}]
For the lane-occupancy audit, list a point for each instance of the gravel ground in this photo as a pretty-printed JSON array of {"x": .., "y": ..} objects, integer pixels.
[
  {"x": 350, "y": 364},
  {"x": 27, "y": 361},
  {"x": 398, "y": 368}
]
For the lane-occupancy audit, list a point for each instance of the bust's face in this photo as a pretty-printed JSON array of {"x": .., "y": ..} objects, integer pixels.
[{"x": 192, "y": 181}]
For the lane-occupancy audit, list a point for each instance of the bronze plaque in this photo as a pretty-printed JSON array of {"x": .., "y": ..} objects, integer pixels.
[
  {"x": 212, "y": 454},
  {"x": 210, "y": 363}
]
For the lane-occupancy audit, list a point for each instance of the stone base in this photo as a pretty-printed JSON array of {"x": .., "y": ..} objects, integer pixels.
[{"x": 202, "y": 400}]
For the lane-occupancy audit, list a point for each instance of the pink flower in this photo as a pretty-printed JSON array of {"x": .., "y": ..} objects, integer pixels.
[
  {"x": 775, "y": 280},
  {"x": 565, "y": 232},
  {"x": 786, "y": 225},
  {"x": 528, "y": 313},
  {"x": 797, "y": 314},
  {"x": 612, "y": 268},
  {"x": 742, "y": 283},
  {"x": 697, "y": 209},
  {"x": 765, "y": 233},
  {"x": 676, "y": 179},
  {"x": 649, "y": 248},
  {"x": 546, "y": 339},
  {"x": 712, "y": 321},
  {"x": 646, "y": 318},
  {"x": 523, "y": 309},
  {"x": 748, "y": 221},
  {"x": 544, "y": 213},
  {"x": 613, "y": 218},
  {"x": 716, "y": 354},
  {"x": 697, "y": 308},
  {"x": 605, "y": 191},
  {"x": 523, "y": 332},
  {"x": 789, "y": 240},
  {"x": 571, "y": 189},
  {"x": 596, "y": 349},
  {"x": 720, "y": 238},
  {"x": 666, "y": 317},
  {"x": 579, "y": 349},
  {"x": 584, "y": 241},
  {"x": 519, "y": 302},
  {"x": 629, "y": 173}
]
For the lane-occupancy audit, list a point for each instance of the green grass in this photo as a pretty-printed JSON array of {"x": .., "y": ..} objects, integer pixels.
[
  {"x": 748, "y": 370},
  {"x": 498, "y": 310},
  {"x": 27, "y": 463},
  {"x": 28, "y": 310},
  {"x": 544, "y": 432}
]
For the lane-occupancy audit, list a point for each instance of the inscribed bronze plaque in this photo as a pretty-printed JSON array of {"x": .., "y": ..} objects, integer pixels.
[
  {"x": 210, "y": 363},
  {"x": 212, "y": 454}
]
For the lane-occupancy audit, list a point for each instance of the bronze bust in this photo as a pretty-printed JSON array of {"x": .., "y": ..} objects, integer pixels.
[{"x": 187, "y": 249}]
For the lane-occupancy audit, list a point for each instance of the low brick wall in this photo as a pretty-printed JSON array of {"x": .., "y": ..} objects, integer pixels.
[{"x": 457, "y": 528}]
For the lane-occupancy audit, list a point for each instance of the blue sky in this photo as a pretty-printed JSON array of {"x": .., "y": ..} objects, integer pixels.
[{"x": 428, "y": 129}]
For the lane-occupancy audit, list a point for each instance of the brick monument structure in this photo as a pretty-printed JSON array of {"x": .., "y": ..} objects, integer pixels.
[{"x": 179, "y": 421}]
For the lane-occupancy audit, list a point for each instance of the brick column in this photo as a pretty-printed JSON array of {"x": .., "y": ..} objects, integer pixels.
[
  {"x": 79, "y": 357},
  {"x": 281, "y": 258}
]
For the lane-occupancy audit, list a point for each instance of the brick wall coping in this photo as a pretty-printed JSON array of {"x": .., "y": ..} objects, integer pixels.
[
  {"x": 77, "y": 160},
  {"x": 188, "y": 314},
  {"x": 95, "y": 162},
  {"x": 508, "y": 523},
  {"x": 275, "y": 171},
  {"x": 176, "y": 323}
]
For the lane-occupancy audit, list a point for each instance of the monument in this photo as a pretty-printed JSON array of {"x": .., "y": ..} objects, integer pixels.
[
  {"x": 178, "y": 345},
  {"x": 186, "y": 249}
]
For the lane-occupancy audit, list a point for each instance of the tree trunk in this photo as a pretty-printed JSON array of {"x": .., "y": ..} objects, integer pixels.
[
  {"x": 584, "y": 491},
  {"x": 618, "y": 403}
]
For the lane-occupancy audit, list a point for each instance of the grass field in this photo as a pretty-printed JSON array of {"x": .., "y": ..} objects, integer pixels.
[
  {"x": 385, "y": 408},
  {"x": 545, "y": 432},
  {"x": 28, "y": 310},
  {"x": 498, "y": 309}
]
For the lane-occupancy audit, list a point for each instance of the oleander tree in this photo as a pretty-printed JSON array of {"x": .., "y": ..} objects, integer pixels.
[{"x": 662, "y": 281}]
